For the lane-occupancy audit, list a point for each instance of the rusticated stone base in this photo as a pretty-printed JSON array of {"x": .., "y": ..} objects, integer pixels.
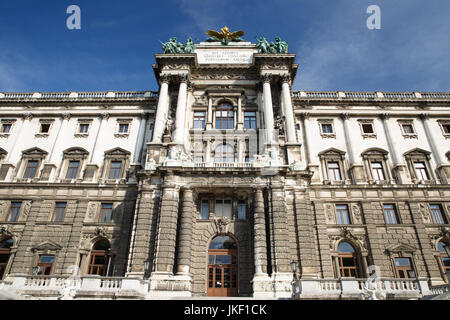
[{"x": 278, "y": 285}]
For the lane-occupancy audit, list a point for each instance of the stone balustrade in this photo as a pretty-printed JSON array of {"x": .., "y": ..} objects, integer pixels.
[
  {"x": 349, "y": 288},
  {"x": 327, "y": 95},
  {"x": 78, "y": 95}
]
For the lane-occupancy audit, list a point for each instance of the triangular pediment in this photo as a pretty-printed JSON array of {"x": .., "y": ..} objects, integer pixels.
[
  {"x": 417, "y": 151},
  {"x": 332, "y": 151},
  {"x": 117, "y": 151},
  {"x": 76, "y": 151},
  {"x": 401, "y": 247},
  {"x": 373, "y": 151},
  {"x": 47, "y": 246},
  {"x": 35, "y": 151}
]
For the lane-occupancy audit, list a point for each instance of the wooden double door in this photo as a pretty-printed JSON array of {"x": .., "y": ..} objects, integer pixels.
[{"x": 222, "y": 272}]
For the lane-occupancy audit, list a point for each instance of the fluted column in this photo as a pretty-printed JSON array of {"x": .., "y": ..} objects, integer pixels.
[
  {"x": 167, "y": 230},
  {"x": 161, "y": 111},
  {"x": 268, "y": 109},
  {"x": 434, "y": 147},
  {"x": 185, "y": 236},
  {"x": 289, "y": 113},
  {"x": 260, "y": 234},
  {"x": 181, "y": 110}
]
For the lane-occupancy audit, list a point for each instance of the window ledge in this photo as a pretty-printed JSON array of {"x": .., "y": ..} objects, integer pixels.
[
  {"x": 81, "y": 135},
  {"x": 410, "y": 135},
  {"x": 4, "y": 135},
  {"x": 41, "y": 135},
  {"x": 369, "y": 136},
  {"x": 328, "y": 135},
  {"x": 121, "y": 135}
]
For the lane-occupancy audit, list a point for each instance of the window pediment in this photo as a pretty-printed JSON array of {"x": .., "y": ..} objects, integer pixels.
[
  {"x": 417, "y": 153},
  {"x": 401, "y": 247},
  {"x": 35, "y": 152},
  {"x": 332, "y": 152},
  {"x": 76, "y": 152},
  {"x": 117, "y": 152},
  {"x": 47, "y": 246}
]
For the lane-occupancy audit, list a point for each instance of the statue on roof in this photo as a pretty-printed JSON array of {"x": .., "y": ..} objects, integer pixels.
[{"x": 278, "y": 46}]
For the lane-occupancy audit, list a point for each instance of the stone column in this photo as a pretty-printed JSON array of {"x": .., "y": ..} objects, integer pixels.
[
  {"x": 210, "y": 114},
  {"x": 268, "y": 109},
  {"x": 279, "y": 237},
  {"x": 260, "y": 234},
  {"x": 240, "y": 116},
  {"x": 356, "y": 171},
  {"x": 185, "y": 235},
  {"x": 434, "y": 147},
  {"x": 305, "y": 234},
  {"x": 167, "y": 230},
  {"x": 140, "y": 142},
  {"x": 399, "y": 168},
  {"x": 180, "y": 117},
  {"x": 289, "y": 114},
  {"x": 163, "y": 107}
]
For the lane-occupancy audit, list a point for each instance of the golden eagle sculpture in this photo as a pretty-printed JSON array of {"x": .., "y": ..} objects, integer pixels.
[{"x": 225, "y": 36}]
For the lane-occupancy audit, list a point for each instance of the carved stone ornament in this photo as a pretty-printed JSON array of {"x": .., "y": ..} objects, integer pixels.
[
  {"x": 330, "y": 213},
  {"x": 423, "y": 211},
  {"x": 100, "y": 232},
  {"x": 92, "y": 209},
  {"x": 356, "y": 213},
  {"x": 222, "y": 224},
  {"x": 26, "y": 208},
  {"x": 4, "y": 231}
]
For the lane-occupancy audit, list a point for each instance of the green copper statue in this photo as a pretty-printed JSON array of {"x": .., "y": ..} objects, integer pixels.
[
  {"x": 278, "y": 46},
  {"x": 173, "y": 46}
]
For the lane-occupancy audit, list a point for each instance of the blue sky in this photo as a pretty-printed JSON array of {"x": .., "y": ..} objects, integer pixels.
[{"x": 114, "y": 50}]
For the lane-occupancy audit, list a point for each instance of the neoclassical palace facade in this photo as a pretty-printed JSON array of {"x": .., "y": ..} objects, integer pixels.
[{"x": 225, "y": 182}]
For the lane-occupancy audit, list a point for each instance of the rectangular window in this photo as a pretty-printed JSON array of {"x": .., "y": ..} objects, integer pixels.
[
  {"x": 6, "y": 127},
  {"x": 367, "y": 128},
  {"x": 114, "y": 172},
  {"x": 404, "y": 268},
  {"x": 14, "y": 211},
  {"x": 106, "y": 213},
  {"x": 327, "y": 128},
  {"x": 421, "y": 171},
  {"x": 242, "y": 207},
  {"x": 45, "y": 128},
  {"x": 377, "y": 171},
  {"x": 60, "y": 210},
  {"x": 436, "y": 214},
  {"x": 250, "y": 120},
  {"x": 446, "y": 128},
  {"x": 84, "y": 128},
  {"x": 224, "y": 117},
  {"x": 199, "y": 119},
  {"x": 334, "y": 173},
  {"x": 342, "y": 214},
  {"x": 390, "y": 214},
  {"x": 408, "y": 129},
  {"x": 123, "y": 127},
  {"x": 205, "y": 209},
  {"x": 31, "y": 169},
  {"x": 72, "y": 171},
  {"x": 45, "y": 264},
  {"x": 223, "y": 208}
]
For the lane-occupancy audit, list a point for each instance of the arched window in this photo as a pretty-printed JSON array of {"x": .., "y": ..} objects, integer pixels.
[
  {"x": 224, "y": 153},
  {"x": 99, "y": 261},
  {"x": 222, "y": 267},
  {"x": 5, "y": 252},
  {"x": 445, "y": 258},
  {"x": 224, "y": 116},
  {"x": 348, "y": 264}
]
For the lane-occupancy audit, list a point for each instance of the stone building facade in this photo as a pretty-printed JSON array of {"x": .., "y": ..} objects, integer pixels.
[{"x": 224, "y": 182}]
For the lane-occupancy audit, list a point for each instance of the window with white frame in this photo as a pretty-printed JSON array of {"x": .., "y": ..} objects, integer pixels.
[
  {"x": 326, "y": 127},
  {"x": 418, "y": 161},
  {"x": 123, "y": 128},
  {"x": 332, "y": 162},
  {"x": 367, "y": 128},
  {"x": 407, "y": 128},
  {"x": 445, "y": 127}
]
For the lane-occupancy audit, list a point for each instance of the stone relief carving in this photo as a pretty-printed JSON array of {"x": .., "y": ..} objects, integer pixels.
[
  {"x": 3, "y": 208},
  {"x": 423, "y": 211},
  {"x": 222, "y": 224},
  {"x": 92, "y": 210},
  {"x": 330, "y": 214},
  {"x": 356, "y": 210},
  {"x": 26, "y": 208}
]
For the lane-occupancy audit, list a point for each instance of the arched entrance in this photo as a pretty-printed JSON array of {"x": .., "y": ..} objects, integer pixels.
[
  {"x": 5, "y": 252},
  {"x": 222, "y": 275}
]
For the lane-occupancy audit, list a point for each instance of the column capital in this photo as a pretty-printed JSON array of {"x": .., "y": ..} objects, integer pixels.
[
  {"x": 305, "y": 115},
  {"x": 266, "y": 77},
  {"x": 345, "y": 116},
  {"x": 27, "y": 116},
  {"x": 66, "y": 115},
  {"x": 385, "y": 116},
  {"x": 164, "y": 78},
  {"x": 285, "y": 78},
  {"x": 105, "y": 115},
  {"x": 183, "y": 77},
  {"x": 425, "y": 116}
]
